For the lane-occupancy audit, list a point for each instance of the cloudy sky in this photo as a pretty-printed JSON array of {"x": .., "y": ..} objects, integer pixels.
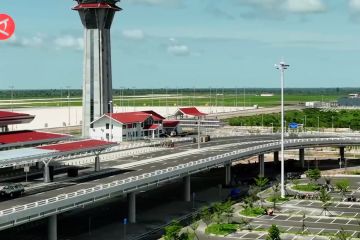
[{"x": 190, "y": 43}]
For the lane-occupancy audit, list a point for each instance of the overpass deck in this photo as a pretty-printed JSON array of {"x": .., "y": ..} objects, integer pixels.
[{"x": 150, "y": 173}]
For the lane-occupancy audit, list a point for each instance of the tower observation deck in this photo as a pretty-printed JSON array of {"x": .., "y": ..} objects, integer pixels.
[{"x": 96, "y": 17}]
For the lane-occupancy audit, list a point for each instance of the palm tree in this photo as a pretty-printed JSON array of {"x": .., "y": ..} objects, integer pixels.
[
  {"x": 261, "y": 182},
  {"x": 325, "y": 197}
]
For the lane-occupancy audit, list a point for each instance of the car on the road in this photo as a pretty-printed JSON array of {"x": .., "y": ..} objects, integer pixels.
[{"x": 12, "y": 190}]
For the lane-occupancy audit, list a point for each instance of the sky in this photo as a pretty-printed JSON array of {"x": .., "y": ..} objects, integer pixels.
[{"x": 189, "y": 43}]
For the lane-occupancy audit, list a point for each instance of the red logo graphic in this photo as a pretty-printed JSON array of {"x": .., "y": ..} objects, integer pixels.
[{"x": 7, "y": 26}]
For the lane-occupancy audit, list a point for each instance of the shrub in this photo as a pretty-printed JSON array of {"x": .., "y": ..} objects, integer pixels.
[{"x": 274, "y": 233}]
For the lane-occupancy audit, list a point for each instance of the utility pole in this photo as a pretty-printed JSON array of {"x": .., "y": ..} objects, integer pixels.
[
  {"x": 199, "y": 133},
  {"x": 12, "y": 97},
  {"x": 68, "y": 100},
  {"x": 282, "y": 67},
  {"x": 110, "y": 125}
]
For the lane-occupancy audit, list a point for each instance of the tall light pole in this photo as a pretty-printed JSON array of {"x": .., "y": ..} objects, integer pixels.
[
  {"x": 134, "y": 98},
  {"x": 12, "y": 97},
  {"x": 199, "y": 133},
  {"x": 318, "y": 123},
  {"x": 110, "y": 107},
  {"x": 332, "y": 122},
  {"x": 282, "y": 66},
  {"x": 68, "y": 100}
]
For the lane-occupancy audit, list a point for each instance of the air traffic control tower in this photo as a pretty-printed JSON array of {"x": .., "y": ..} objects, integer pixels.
[{"x": 97, "y": 17}]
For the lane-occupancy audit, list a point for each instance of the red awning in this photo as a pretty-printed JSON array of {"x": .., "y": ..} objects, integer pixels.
[
  {"x": 78, "y": 145},
  {"x": 192, "y": 111}
]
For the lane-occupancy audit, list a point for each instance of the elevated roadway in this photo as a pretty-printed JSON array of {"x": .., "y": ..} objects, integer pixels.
[{"x": 152, "y": 171}]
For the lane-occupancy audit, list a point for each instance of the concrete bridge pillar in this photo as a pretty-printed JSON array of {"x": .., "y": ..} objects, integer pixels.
[
  {"x": 276, "y": 157},
  {"x": 187, "y": 189},
  {"x": 48, "y": 172},
  {"x": 132, "y": 207},
  {"x": 262, "y": 165},
  {"x": 97, "y": 163},
  {"x": 302, "y": 157},
  {"x": 52, "y": 227},
  {"x": 228, "y": 174},
  {"x": 342, "y": 153}
]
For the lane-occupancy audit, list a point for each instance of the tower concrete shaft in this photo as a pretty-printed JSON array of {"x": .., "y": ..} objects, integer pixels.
[{"x": 96, "y": 17}]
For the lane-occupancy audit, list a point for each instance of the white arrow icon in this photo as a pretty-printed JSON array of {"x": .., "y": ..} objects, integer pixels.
[{"x": 4, "y": 22}]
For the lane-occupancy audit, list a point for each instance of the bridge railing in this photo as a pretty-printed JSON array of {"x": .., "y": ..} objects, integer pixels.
[{"x": 84, "y": 196}]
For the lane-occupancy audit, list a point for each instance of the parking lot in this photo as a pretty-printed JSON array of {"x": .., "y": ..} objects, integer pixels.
[{"x": 306, "y": 219}]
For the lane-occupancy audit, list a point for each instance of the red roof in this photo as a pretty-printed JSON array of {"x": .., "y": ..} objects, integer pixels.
[
  {"x": 29, "y": 137},
  {"x": 130, "y": 117},
  {"x": 7, "y": 118},
  {"x": 152, "y": 127},
  {"x": 191, "y": 111},
  {"x": 96, "y": 5},
  {"x": 78, "y": 145},
  {"x": 170, "y": 124},
  {"x": 155, "y": 115}
]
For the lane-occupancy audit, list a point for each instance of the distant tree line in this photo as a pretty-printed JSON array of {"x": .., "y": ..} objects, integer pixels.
[{"x": 313, "y": 117}]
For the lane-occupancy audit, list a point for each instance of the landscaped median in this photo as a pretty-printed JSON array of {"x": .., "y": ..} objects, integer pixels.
[
  {"x": 253, "y": 211},
  {"x": 222, "y": 229}
]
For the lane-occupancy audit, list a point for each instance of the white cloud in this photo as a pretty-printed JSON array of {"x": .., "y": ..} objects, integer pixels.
[
  {"x": 177, "y": 49},
  {"x": 35, "y": 41},
  {"x": 354, "y": 5},
  {"x": 134, "y": 34},
  {"x": 305, "y": 6},
  {"x": 69, "y": 41}
]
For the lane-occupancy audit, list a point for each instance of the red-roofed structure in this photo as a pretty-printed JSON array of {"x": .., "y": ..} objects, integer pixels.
[
  {"x": 157, "y": 117},
  {"x": 127, "y": 126},
  {"x": 189, "y": 112},
  {"x": 170, "y": 123},
  {"x": 11, "y": 118},
  {"x": 152, "y": 127},
  {"x": 129, "y": 117},
  {"x": 26, "y": 138},
  {"x": 84, "y": 145}
]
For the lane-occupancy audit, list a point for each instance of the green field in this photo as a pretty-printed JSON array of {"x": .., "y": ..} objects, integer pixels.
[{"x": 201, "y": 99}]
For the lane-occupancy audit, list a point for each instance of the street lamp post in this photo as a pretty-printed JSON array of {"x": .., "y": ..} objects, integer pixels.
[
  {"x": 12, "y": 97},
  {"x": 318, "y": 123},
  {"x": 282, "y": 66},
  {"x": 199, "y": 136},
  {"x": 68, "y": 100},
  {"x": 110, "y": 126}
]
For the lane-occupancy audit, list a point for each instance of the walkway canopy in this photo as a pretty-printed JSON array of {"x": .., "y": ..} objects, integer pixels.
[{"x": 10, "y": 158}]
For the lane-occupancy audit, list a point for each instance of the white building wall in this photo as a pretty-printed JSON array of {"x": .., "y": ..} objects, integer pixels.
[{"x": 100, "y": 132}]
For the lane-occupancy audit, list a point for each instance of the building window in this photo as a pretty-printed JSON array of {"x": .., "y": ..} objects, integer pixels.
[
  {"x": 107, "y": 136},
  {"x": 124, "y": 127},
  {"x": 142, "y": 124},
  {"x": 107, "y": 126},
  {"x": 134, "y": 125}
]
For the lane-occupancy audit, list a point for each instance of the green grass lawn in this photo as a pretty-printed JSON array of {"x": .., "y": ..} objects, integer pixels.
[
  {"x": 252, "y": 212},
  {"x": 310, "y": 187},
  {"x": 221, "y": 229},
  {"x": 278, "y": 199}
]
